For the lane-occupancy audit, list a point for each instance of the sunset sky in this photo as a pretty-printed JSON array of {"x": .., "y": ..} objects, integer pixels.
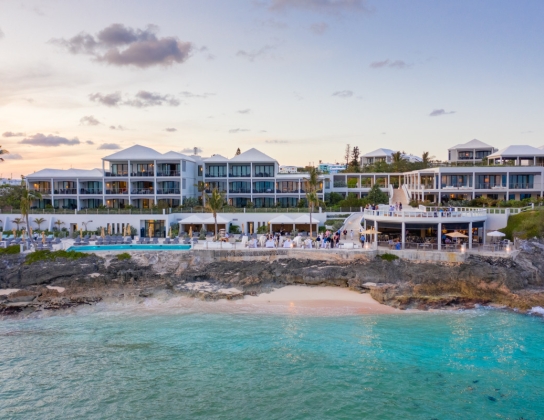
[{"x": 297, "y": 79}]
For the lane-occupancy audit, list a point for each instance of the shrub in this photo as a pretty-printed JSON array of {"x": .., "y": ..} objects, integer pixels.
[
  {"x": 10, "y": 250},
  {"x": 47, "y": 255},
  {"x": 124, "y": 256},
  {"x": 388, "y": 257}
]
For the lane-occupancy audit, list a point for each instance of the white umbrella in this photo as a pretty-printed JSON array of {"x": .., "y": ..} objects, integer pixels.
[{"x": 496, "y": 234}]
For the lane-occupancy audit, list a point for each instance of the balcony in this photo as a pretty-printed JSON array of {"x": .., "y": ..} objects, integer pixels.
[
  {"x": 221, "y": 190},
  {"x": 284, "y": 191},
  {"x": 144, "y": 174},
  {"x": 450, "y": 187},
  {"x": 240, "y": 191},
  {"x": 142, "y": 191},
  {"x": 116, "y": 191},
  {"x": 263, "y": 191},
  {"x": 111, "y": 174},
  {"x": 42, "y": 190},
  {"x": 340, "y": 184},
  {"x": 216, "y": 176},
  {"x": 168, "y": 173},
  {"x": 163, "y": 191},
  {"x": 490, "y": 186},
  {"x": 66, "y": 191},
  {"x": 263, "y": 175},
  {"x": 90, "y": 191},
  {"x": 522, "y": 186}
]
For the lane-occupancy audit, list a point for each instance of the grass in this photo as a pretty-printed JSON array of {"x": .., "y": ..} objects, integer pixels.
[
  {"x": 10, "y": 250},
  {"x": 46, "y": 255},
  {"x": 388, "y": 257},
  {"x": 124, "y": 256},
  {"x": 525, "y": 225}
]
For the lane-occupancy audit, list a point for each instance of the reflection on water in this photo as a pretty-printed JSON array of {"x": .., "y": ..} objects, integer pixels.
[{"x": 184, "y": 363}]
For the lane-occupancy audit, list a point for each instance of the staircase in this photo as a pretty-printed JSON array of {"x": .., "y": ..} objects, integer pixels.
[{"x": 400, "y": 197}]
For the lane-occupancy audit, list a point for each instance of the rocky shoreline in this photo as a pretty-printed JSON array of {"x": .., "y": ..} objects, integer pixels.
[{"x": 516, "y": 283}]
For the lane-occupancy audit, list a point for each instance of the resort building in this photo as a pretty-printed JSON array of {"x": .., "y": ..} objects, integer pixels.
[
  {"x": 331, "y": 168},
  {"x": 471, "y": 152},
  {"x": 284, "y": 169},
  {"x": 386, "y": 156},
  {"x": 519, "y": 155}
]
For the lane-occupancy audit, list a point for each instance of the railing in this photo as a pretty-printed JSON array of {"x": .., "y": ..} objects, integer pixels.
[
  {"x": 66, "y": 191},
  {"x": 522, "y": 186},
  {"x": 143, "y": 174},
  {"x": 391, "y": 193},
  {"x": 119, "y": 211},
  {"x": 110, "y": 174},
  {"x": 169, "y": 191},
  {"x": 452, "y": 187},
  {"x": 426, "y": 214},
  {"x": 42, "y": 190},
  {"x": 238, "y": 176},
  {"x": 490, "y": 186},
  {"x": 339, "y": 184},
  {"x": 263, "y": 175},
  {"x": 138, "y": 191},
  {"x": 239, "y": 191},
  {"x": 407, "y": 192},
  {"x": 117, "y": 191},
  {"x": 90, "y": 191},
  {"x": 216, "y": 176},
  {"x": 263, "y": 191},
  {"x": 168, "y": 173}
]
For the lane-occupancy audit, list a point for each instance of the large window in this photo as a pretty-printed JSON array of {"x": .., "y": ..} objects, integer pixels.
[
  {"x": 144, "y": 169},
  {"x": 119, "y": 169},
  {"x": 263, "y": 187},
  {"x": 240, "y": 170},
  {"x": 239, "y": 201},
  {"x": 184, "y": 165},
  {"x": 264, "y": 202},
  {"x": 287, "y": 202},
  {"x": 480, "y": 154},
  {"x": 168, "y": 187},
  {"x": 216, "y": 171},
  {"x": 521, "y": 181},
  {"x": 455, "y": 181},
  {"x": 264, "y": 171},
  {"x": 239, "y": 187},
  {"x": 219, "y": 186},
  {"x": 465, "y": 155},
  {"x": 168, "y": 169},
  {"x": 288, "y": 187},
  {"x": 490, "y": 181}
]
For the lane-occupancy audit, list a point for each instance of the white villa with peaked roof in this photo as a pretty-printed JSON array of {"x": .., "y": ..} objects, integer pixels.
[
  {"x": 385, "y": 155},
  {"x": 472, "y": 151}
]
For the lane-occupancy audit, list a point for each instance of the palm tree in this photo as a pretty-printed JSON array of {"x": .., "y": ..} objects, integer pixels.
[
  {"x": 18, "y": 221},
  {"x": 27, "y": 197},
  {"x": 397, "y": 160},
  {"x": 201, "y": 187},
  {"x": 215, "y": 203},
  {"x": 39, "y": 222},
  {"x": 311, "y": 192},
  {"x": 59, "y": 223},
  {"x": 426, "y": 159},
  {"x": 3, "y": 152}
]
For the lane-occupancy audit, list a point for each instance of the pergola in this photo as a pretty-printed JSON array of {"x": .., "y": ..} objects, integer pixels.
[{"x": 281, "y": 220}]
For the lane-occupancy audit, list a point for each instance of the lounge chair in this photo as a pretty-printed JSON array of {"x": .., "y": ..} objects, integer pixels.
[
  {"x": 156, "y": 241},
  {"x": 128, "y": 241},
  {"x": 166, "y": 241}
]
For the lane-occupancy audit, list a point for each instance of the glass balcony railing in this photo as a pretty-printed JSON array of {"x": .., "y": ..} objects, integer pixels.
[
  {"x": 168, "y": 191},
  {"x": 340, "y": 184},
  {"x": 240, "y": 191},
  {"x": 116, "y": 191},
  {"x": 112, "y": 174},
  {"x": 68, "y": 191},
  {"x": 263, "y": 191},
  {"x": 522, "y": 186},
  {"x": 489, "y": 186},
  {"x": 90, "y": 191},
  {"x": 142, "y": 191},
  {"x": 43, "y": 190},
  {"x": 168, "y": 173},
  {"x": 143, "y": 174}
]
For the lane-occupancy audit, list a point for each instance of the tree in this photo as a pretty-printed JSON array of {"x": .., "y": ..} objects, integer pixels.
[
  {"x": 377, "y": 196},
  {"x": 347, "y": 155},
  {"x": 10, "y": 196},
  {"x": 215, "y": 203},
  {"x": 426, "y": 159},
  {"x": 39, "y": 221},
  {"x": 201, "y": 187},
  {"x": 3, "y": 152},
  {"x": 18, "y": 221},
  {"x": 237, "y": 152},
  {"x": 311, "y": 192},
  {"x": 27, "y": 197},
  {"x": 354, "y": 164},
  {"x": 335, "y": 198},
  {"x": 398, "y": 162},
  {"x": 59, "y": 223}
]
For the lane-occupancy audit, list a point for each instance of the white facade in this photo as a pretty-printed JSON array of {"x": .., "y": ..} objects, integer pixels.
[
  {"x": 471, "y": 152},
  {"x": 331, "y": 168},
  {"x": 288, "y": 169},
  {"x": 386, "y": 156}
]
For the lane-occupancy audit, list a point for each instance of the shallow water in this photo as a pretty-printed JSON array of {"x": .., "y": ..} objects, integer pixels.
[{"x": 125, "y": 365}]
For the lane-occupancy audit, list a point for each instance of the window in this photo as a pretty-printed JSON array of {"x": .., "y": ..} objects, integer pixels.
[
  {"x": 118, "y": 169},
  {"x": 490, "y": 181},
  {"x": 240, "y": 170},
  {"x": 200, "y": 170},
  {"x": 521, "y": 181},
  {"x": 263, "y": 187},
  {"x": 184, "y": 165},
  {"x": 264, "y": 171},
  {"x": 144, "y": 169},
  {"x": 215, "y": 171},
  {"x": 184, "y": 183},
  {"x": 264, "y": 202},
  {"x": 288, "y": 187},
  {"x": 480, "y": 154},
  {"x": 465, "y": 155},
  {"x": 240, "y": 187}
]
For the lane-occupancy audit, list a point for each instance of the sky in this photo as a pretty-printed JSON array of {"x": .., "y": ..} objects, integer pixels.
[{"x": 296, "y": 79}]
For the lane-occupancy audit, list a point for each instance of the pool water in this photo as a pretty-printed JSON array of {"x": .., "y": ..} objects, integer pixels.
[{"x": 129, "y": 247}]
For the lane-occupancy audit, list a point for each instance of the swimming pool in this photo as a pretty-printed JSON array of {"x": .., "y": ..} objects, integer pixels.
[{"x": 129, "y": 247}]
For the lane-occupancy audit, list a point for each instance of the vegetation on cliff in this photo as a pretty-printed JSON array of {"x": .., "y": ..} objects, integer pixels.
[
  {"x": 528, "y": 224},
  {"x": 124, "y": 256},
  {"x": 46, "y": 255},
  {"x": 10, "y": 250}
]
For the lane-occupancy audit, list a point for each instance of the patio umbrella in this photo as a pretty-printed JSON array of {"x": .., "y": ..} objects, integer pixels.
[
  {"x": 191, "y": 231},
  {"x": 170, "y": 232},
  {"x": 23, "y": 235},
  {"x": 14, "y": 231},
  {"x": 30, "y": 232},
  {"x": 109, "y": 229},
  {"x": 373, "y": 231},
  {"x": 43, "y": 237},
  {"x": 251, "y": 229},
  {"x": 102, "y": 233},
  {"x": 456, "y": 235},
  {"x": 496, "y": 234},
  {"x": 243, "y": 229},
  {"x": 150, "y": 231},
  {"x": 129, "y": 232},
  {"x": 81, "y": 233}
]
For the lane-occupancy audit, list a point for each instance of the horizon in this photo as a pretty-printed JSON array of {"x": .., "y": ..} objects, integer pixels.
[{"x": 302, "y": 76}]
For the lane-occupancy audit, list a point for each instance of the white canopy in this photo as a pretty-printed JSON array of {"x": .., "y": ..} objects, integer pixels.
[
  {"x": 220, "y": 220},
  {"x": 278, "y": 220},
  {"x": 496, "y": 233},
  {"x": 192, "y": 220},
  {"x": 306, "y": 220}
]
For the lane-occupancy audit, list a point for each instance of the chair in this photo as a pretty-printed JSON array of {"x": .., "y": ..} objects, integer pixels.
[{"x": 166, "y": 241}]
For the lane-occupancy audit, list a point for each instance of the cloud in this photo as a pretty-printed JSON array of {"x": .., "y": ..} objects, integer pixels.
[
  {"x": 244, "y": 111},
  {"x": 111, "y": 99},
  {"x": 277, "y": 141},
  {"x": 12, "y": 134},
  {"x": 89, "y": 142},
  {"x": 89, "y": 120},
  {"x": 118, "y": 127},
  {"x": 396, "y": 64},
  {"x": 120, "y": 45},
  {"x": 186, "y": 94},
  {"x": 320, "y": 6},
  {"x": 142, "y": 99},
  {"x": 439, "y": 112},
  {"x": 12, "y": 156},
  {"x": 319, "y": 28},
  {"x": 255, "y": 54},
  {"x": 238, "y": 130},
  {"x": 343, "y": 94},
  {"x": 191, "y": 150},
  {"x": 40, "y": 139},
  {"x": 171, "y": 129},
  {"x": 1, "y": 34},
  {"x": 109, "y": 146}
]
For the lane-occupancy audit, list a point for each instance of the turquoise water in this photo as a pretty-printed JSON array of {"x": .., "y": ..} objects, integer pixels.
[
  {"x": 104, "y": 365},
  {"x": 136, "y": 247}
]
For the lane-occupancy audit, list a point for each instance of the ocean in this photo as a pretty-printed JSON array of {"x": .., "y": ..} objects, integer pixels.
[{"x": 125, "y": 364}]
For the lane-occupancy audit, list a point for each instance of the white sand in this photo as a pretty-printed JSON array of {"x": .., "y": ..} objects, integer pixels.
[
  {"x": 292, "y": 297},
  {"x": 7, "y": 291}
]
